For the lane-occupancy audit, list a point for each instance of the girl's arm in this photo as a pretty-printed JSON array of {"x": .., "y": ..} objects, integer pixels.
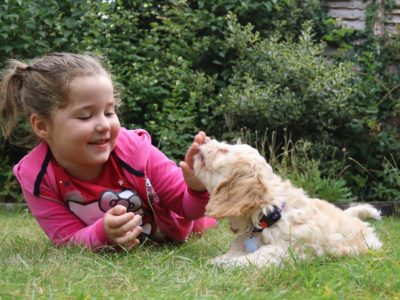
[
  {"x": 62, "y": 226},
  {"x": 167, "y": 180}
]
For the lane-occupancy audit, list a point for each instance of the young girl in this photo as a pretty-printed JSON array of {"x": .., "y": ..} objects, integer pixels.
[{"x": 90, "y": 182}]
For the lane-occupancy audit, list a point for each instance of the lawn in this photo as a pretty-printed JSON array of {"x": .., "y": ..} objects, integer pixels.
[{"x": 31, "y": 268}]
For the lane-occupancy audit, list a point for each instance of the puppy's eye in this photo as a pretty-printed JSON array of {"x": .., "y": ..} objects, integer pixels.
[
  {"x": 223, "y": 150},
  {"x": 200, "y": 156}
]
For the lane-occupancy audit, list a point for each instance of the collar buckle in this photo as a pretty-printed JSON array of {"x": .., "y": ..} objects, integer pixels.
[{"x": 269, "y": 219}]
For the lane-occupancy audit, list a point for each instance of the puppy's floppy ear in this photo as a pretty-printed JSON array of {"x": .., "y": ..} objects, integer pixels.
[{"x": 237, "y": 194}]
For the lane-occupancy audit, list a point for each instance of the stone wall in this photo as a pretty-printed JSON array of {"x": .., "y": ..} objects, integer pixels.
[
  {"x": 352, "y": 14},
  {"x": 393, "y": 22}
]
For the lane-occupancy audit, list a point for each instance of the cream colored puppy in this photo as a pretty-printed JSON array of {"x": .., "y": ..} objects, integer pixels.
[{"x": 270, "y": 216}]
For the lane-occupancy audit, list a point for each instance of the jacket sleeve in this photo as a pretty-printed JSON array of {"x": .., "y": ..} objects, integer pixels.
[
  {"x": 54, "y": 217},
  {"x": 62, "y": 226},
  {"x": 167, "y": 180}
]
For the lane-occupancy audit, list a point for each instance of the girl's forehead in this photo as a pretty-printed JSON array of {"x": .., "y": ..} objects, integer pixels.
[
  {"x": 90, "y": 84},
  {"x": 92, "y": 90}
]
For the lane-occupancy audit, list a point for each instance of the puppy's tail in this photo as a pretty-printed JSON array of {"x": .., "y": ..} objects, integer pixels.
[{"x": 364, "y": 211}]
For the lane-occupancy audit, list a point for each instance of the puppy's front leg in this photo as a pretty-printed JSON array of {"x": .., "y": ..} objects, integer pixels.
[
  {"x": 235, "y": 250},
  {"x": 266, "y": 255}
]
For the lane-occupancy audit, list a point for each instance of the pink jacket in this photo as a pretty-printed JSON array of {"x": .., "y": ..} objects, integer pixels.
[{"x": 174, "y": 207}]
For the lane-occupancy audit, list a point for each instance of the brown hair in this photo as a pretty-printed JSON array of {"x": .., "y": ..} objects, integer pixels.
[{"x": 43, "y": 86}]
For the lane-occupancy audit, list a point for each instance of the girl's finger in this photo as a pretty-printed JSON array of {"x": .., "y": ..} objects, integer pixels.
[
  {"x": 129, "y": 236},
  {"x": 129, "y": 226},
  {"x": 118, "y": 221}
]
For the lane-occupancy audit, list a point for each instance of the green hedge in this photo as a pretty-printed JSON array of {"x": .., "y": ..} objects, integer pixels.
[{"x": 189, "y": 65}]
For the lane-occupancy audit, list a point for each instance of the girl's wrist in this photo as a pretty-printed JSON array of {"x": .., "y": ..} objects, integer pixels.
[{"x": 197, "y": 192}]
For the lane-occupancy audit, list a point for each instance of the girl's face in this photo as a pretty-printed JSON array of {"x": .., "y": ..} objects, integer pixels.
[{"x": 83, "y": 134}]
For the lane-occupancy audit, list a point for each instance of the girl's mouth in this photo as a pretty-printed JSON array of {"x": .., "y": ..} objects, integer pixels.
[{"x": 99, "y": 142}]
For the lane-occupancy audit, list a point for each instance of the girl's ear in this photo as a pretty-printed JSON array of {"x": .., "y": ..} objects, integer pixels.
[{"x": 39, "y": 126}]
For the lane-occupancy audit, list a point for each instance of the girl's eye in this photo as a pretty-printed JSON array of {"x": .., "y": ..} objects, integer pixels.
[
  {"x": 84, "y": 118},
  {"x": 109, "y": 114}
]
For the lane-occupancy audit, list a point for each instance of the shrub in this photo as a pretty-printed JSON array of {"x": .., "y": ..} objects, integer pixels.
[
  {"x": 298, "y": 162},
  {"x": 285, "y": 84},
  {"x": 184, "y": 66}
]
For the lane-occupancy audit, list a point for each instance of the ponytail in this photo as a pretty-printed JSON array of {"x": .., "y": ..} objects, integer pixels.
[{"x": 11, "y": 102}]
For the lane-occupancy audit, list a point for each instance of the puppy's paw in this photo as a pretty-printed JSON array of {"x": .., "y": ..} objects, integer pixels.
[
  {"x": 219, "y": 260},
  {"x": 229, "y": 262}
]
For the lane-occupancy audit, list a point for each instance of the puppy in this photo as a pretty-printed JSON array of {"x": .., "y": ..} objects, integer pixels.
[{"x": 273, "y": 219}]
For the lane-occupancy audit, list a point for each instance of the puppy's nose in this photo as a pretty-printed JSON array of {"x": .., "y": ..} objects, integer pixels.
[{"x": 234, "y": 230}]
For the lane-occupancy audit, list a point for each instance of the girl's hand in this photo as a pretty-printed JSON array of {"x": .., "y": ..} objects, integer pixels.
[
  {"x": 121, "y": 227},
  {"x": 187, "y": 166}
]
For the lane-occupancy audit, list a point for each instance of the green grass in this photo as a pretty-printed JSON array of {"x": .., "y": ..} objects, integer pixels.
[{"x": 31, "y": 268}]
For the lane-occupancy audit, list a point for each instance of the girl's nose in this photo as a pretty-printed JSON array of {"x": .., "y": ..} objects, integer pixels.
[{"x": 102, "y": 123}]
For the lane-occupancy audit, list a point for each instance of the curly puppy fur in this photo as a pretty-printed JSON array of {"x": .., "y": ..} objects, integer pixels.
[{"x": 243, "y": 187}]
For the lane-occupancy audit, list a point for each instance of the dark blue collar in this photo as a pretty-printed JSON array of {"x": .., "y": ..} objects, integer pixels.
[{"x": 269, "y": 219}]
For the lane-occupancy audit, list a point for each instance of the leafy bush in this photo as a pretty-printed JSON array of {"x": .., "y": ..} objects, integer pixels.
[
  {"x": 388, "y": 181},
  {"x": 296, "y": 161},
  {"x": 372, "y": 136},
  {"x": 285, "y": 84},
  {"x": 32, "y": 28},
  {"x": 183, "y": 66},
  {"x": 9, "y": 188}
]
